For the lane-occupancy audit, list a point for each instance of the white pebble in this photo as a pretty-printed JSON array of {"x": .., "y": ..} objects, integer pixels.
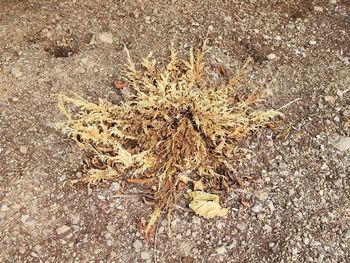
[
  {"x": 257, "y": 208},
  {"x": 271, "y": 56},
  {"x": 63, "y": 229},
  {"x": 106, "y": 38},
  {"x": 221, "y": 250},
  {"x": 145, "y": 255},
  {"x": 318, "y": 8}
]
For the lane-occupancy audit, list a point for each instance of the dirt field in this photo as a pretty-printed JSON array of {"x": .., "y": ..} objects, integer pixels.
[{"x": 296, "y": 204}]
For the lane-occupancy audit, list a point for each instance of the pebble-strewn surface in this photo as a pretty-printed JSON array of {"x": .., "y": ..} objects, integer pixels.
[{"x": 296, "y": 203}]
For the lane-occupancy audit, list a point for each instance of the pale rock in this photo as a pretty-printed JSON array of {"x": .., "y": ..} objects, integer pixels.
[
  {"x": 23, "y": 149},
  {"x": 4, "y": 208},
  {"x": 268, "y": 228},
  {"x": 228, "y": 18},
  {"x": 111, "y": 228},
  {"x": 16, "y": 72},
  {"x": 294, "y": 251},
  {"x": 221, "y": 250},
  {"x": 318, "y": 8},
  {"x": 346, "y": 234},
  {"x": 75, "y": 219},
  {"x": 145, "y": 255},
  {"x": 242, "y": 226},
  {"x": 271, "y": 206},
  {"x": 260, "y": 216},
  {"x": 24, "y": 218},
  {"x": 257, "y": 208},
  {"x": 338, "y": 183},
  {"x": 271, "y": 56},
  {"x": 313, "y": 42},
  {"x": 330, "y": 99},
  {"x": 186, "y": 247},
  {"x": 115, "y": 187},
  {"x": 101, "y": 197},
  {"x": 342, "y": 143},
  {"x": 63, "y": 229},
  {"x": 324, "y": 166},
  {"x": 262, "y": 196},
  {"x": 137, "y": 245},
  {"x": 106, "y": 38}
]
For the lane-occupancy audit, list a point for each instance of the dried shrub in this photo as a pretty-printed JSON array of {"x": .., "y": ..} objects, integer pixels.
[{"x": 177, "y": 127}]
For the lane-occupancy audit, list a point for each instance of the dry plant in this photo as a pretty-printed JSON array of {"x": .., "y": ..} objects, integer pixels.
[{"x": 178, "y": 127}]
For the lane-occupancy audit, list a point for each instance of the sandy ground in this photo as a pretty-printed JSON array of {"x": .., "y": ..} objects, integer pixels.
[{"x": 296, "y": 205}]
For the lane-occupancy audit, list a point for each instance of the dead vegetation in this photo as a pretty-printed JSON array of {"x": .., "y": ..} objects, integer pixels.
[{"x": 177, "y": 129}]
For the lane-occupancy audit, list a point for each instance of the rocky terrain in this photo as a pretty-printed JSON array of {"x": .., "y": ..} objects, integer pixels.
[{"x": 296, "y": 203}]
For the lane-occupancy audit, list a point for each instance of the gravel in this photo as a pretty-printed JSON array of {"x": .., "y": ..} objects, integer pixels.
[{"x": 296, "y": 180}]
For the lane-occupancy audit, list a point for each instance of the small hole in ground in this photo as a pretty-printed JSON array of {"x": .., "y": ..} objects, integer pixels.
[{"x": 61, "y": 51}]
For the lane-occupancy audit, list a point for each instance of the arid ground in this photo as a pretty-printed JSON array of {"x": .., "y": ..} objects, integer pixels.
[{"x": 295, "y": 206}]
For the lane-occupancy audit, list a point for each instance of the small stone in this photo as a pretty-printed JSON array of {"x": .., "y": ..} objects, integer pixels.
[
  {"x": 106, "y": 38},
  {"x": 101, "y": 197},
  {"x": 342, "y": 143},
  {"x": 330, "y": 99},
  {"x": 4, "y": 208},
  {"x": 332, "y": 2},
  {"x": 271, "y": 56},
  {"x": 318, "y": 8},
  {"x": 109, "y": 242},
  {"x": 22, "y": 250},
  {"x": 210, "y": 28},
  {"x": 232, "y": 245},
  {"x": 75, "y": 219},
  {"x": 228, "y": 18},
  {"x": 268, "y": 228},
  {"x": 16, "y": 71},
  {"x": 271, "y": 206},
  {"x": 346, "y": 234},
  {"x": 24, "y": 218},
  {"x": 294, "y": 251},
  {"x": 262, "y": 196},
  {"x": 338, "y": 183},
  {"x": 324, "y": 166},
  {"x": 313, "y": 42},
  {"x": 63, "y": 229},
  {"x": 145, "y": 255},
  {"x": 336, "y": 119},
  {"x": 221, "y": 250},
  {"x": 111, "y": 228},
  {"x": 186, "y": 247},
  {"x": 23, "y": 149},
  {"x": 37, "y": 248},
  {"x": 260, "y": 216},
  {"x": 257, "y": 208},
  {"x": 242, "y": 226},
  {"x": 115, "y": 187},
  {"x": 147, "y": 19},
  {"x": 137, "y": 245}
]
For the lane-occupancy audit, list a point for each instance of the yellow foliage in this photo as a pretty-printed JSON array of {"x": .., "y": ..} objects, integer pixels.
[
  {"x": 177, "y": 120},
  {"x": 206, "y": 205}
]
